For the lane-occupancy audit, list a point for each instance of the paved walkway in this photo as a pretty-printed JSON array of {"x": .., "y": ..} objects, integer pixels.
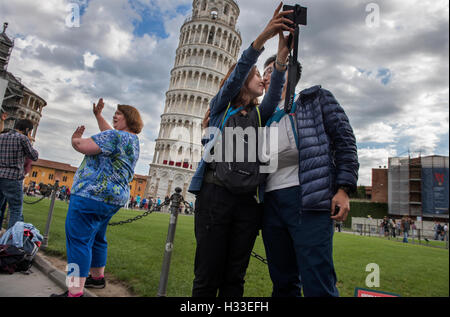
[
  {"x": 43, "y": 281},
  {"x": 35, "y": 284}
]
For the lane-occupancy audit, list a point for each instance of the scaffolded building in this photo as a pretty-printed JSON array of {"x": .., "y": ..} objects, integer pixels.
[{"x": 418, "y": 186}]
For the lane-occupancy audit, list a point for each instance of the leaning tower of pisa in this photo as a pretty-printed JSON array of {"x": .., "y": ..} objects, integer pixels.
[{"x": 209, "y": 44}]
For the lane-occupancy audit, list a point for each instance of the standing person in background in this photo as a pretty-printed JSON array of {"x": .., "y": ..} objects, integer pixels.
[
  {"x": 67, "y": 194},
  {"x": 405, "y": 228},
  {"x": 437, "y": 230},
  {"x": 144, "y": 203},
  {"x": 15, "y": 148},
  {"x": 393, "y": 227},
  {"x": 445, "y": 230},
  {"x": 386, "y": 225},
  {"x": 99, "y": 190},
  {"x": 150, "y": 203},
  {"x": 138, "y": 201},
  {"x": 413, "y": 229}
]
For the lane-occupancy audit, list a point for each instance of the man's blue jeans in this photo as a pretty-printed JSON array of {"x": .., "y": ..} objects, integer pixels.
[
  {"x": 299, "y": 246},
  {"x": 12, "y": 191},
  {"x": 405, "y": 236},
  {"x": 2, "y": 211}
]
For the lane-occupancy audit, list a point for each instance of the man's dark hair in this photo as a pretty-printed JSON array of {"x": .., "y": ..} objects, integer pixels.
[
  {"x": 24, "y": 125},
  {"x": 270, "y": 60},
  {"x": 273, "y": 58}
]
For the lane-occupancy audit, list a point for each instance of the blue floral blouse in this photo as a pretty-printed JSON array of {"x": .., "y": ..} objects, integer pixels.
[{"x": 106, "y": 176}]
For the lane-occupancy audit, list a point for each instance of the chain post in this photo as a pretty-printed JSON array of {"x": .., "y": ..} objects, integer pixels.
[
  {"x": 50, "y": 214},
  {"x": 176, "y": 199}
]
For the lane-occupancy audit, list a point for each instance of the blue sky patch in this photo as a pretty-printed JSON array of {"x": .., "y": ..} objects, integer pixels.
[
  {"x": 152, "y": 21},
  {"x": 442, "y": 146},
  {"x": 151, "y": 24},
  {"x": 385, "y": 75},
  {"x": 82, "y": 4},
  {"x": 184, "y": 9}
]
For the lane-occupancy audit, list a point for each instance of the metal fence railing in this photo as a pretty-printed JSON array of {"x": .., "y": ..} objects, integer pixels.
[{"x": 414, "y": 236}]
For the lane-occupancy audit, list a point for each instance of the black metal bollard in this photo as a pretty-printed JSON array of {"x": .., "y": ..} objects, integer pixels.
[
  {"x": 50, "y": 214},
  {"x": 176, "y": 199}
]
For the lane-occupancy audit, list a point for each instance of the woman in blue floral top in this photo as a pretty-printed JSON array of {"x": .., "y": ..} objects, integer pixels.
[{"x": 99, "y": 190}]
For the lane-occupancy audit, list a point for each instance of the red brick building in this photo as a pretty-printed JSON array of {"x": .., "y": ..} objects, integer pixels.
[{"x": 379, "y": 191}]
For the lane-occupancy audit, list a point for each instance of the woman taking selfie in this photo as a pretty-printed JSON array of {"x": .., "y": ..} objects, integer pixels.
[{"x": 227, "y": 215}]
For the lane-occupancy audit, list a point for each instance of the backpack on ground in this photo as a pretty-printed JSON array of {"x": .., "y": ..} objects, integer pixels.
[
  {"x": 21, "y": 244},
  {"x": 13, "y": 259}
]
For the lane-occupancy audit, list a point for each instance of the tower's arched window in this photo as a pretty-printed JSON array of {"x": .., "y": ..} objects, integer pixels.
[{"x": 211, "y": 37}]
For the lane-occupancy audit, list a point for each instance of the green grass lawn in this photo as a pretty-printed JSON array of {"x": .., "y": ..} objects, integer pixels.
[{"x": 136, "y": 251}]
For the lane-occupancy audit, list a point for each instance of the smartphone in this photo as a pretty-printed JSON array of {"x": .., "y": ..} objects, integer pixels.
[
  {"x": 336, "y": 210},
  {"x": 299, "y": 16}
]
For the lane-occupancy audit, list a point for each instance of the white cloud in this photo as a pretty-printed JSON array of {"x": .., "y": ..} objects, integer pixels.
[
  {"x": 378, "y": 132},
  {"x": 372, "y": 158},
  {"x": 89, "y": 59}
]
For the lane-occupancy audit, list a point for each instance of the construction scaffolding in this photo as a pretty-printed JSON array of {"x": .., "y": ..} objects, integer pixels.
[
  {"x": 398, "y": 185},
  {"x": 418, "y": 186}
]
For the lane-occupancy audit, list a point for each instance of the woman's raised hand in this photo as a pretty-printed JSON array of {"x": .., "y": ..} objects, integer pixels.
[
  {"x": 97, "y": 109},
  {"x": 205, "y": 121},
  {"x": 78, "y": 132},
  {"x": 283, "y": 49},
  {"x": 274, "y": 27}
]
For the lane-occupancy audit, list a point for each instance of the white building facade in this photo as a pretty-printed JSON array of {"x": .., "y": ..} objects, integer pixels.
[{"x": 209, "y": 45}]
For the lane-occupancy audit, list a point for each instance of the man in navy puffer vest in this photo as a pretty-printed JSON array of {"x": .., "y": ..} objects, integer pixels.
[{"x": 299, "y": 219}]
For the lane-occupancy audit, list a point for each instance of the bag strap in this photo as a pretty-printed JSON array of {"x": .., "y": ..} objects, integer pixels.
[
  {"x": 224, "y": 116},
  {"x": 259, "y": 116},
  {"x": 228, "y": 115},
  {"x": 294, "y": 129}
]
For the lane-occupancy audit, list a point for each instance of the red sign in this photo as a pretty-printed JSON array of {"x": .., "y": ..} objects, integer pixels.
[
  {"x": 439, "y": 178},
  {"x": 362, "y": 292}
]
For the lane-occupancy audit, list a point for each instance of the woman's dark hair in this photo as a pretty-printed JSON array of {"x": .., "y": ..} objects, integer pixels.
[
  {"x": 239, "y": 99},
  {"x": 132, "y": 118},
  {"x": 24, "y": 125}
]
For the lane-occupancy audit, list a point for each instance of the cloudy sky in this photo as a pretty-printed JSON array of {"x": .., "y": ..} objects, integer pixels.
[{"x": 389, "y": 71}]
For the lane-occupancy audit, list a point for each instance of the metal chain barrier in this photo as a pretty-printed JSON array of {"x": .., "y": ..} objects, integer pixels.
[
  {"x": 157, "y": 208},
  {"x": 148, "y": 212},
  {"x": 256, "y": 255},
  {"x": 34, "y": 202},
  {"x": 45, "y": 194}
]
